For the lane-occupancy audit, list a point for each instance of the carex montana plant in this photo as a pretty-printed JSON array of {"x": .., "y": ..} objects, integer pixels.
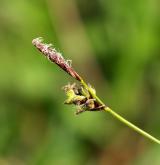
[{"x": 82, "y": 95}]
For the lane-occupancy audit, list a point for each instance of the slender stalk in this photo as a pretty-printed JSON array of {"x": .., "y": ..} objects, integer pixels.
[
  {"x": 129, "y": 124},
  {"x": 120, "y": 118}
]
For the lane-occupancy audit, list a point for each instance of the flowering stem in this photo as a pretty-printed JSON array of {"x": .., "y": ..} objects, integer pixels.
[
  {"x": 58, "y": 59},
  {"x": 120, "y": 118}
]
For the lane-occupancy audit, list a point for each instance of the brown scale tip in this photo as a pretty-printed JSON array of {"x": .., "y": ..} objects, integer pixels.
[{"x": 55, "y": 56}]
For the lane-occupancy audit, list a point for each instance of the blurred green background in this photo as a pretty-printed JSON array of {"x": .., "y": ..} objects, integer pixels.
[{"x": 115, "y": 46}]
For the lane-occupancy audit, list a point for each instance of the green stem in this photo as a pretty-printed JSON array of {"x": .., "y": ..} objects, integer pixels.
[
  {"x": 129, "y": 124},
  {"x": 120, "y": 118}
]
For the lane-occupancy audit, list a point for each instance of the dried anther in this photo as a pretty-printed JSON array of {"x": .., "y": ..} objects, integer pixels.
[
  {"x": 55, "y": 57},
  {"x": 77, "y": 95}
]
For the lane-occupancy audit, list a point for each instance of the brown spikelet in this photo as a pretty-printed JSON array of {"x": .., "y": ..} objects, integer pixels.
[{"x": 55, "y": 57}]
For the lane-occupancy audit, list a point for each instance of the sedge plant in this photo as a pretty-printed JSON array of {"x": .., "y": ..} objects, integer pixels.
[{"x": 82, "y": 95}]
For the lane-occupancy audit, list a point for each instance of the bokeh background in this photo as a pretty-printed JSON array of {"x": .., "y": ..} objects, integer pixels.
[{"x": 115, "y": 46}]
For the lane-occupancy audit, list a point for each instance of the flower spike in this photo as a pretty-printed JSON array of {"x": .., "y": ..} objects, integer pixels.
[{"x": 55, "y": 56}]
